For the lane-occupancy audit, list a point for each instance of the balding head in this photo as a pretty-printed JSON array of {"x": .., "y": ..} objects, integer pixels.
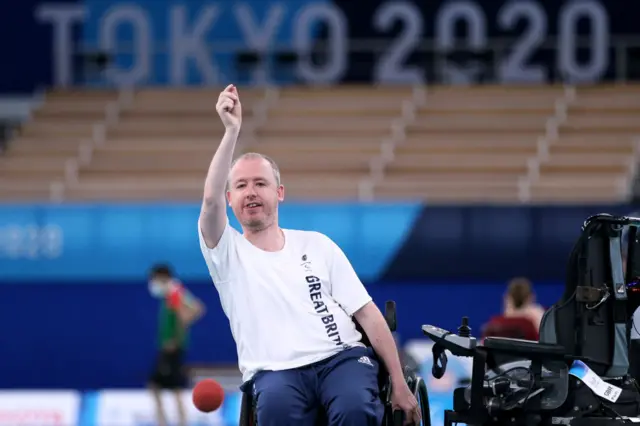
[
  {"x": 256, "y": 156},
  {"x": 254, "y": 190}
]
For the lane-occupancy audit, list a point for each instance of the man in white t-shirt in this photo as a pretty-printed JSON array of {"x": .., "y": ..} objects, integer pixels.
[{"x": 290, "y": 297}]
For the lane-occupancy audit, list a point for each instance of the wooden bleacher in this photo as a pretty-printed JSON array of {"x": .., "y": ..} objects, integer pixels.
[
  {"x": 442, "y": 144},
  {"x": 596, "y": 149},
  {"x": 469, "y": 144}
]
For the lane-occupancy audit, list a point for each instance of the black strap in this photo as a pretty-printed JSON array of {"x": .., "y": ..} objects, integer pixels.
[
  {"x": 439, "y": 360},
  {"x": 617, "y": 272}
]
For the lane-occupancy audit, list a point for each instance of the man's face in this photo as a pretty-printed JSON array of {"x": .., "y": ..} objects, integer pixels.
[
  {"x": 254, "y": 193},
  {"x": 159, "y": 284}
]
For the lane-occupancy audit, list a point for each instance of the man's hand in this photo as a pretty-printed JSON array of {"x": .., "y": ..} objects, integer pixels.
[
  {"x": 403, "y": 399},
  {"x": 190, "y": 311},
  {"x": 375, "y": 326},
  {"x": 229, "y": 108},
  {"x": 188, "y": 307}
]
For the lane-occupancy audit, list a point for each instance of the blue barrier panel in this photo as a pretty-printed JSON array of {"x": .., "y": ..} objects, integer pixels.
[
  {"x": 390, "y": 242},
  {"x": 121, "y": 242}
]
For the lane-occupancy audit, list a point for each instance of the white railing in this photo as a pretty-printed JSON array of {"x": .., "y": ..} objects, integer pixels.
[
  {"x": 83, "y": 157},
  {"x": 552, "y": 126},
  {"x": 260, "y": 113},
  {"x": 378, "y": 164},
  {"x": 56, "y": 191},
  {"x": 366, "y": 190},
  {"x": 626, "y": 184}
]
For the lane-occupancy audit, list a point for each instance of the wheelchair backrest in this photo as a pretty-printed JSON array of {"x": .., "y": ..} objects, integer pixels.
[{"x": 590, "y": 320}]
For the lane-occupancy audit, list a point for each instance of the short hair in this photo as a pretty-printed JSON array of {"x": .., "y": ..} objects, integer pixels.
[
  {"x": 256, "y": 155},
  {"x": 519, "y": 291},
  {"x": 161, "y": 269}
]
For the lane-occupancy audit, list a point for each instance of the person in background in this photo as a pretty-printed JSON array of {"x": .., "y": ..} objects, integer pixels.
[
  {"x": 520, "y": 301},
  {"x": 179, "y": 310}
]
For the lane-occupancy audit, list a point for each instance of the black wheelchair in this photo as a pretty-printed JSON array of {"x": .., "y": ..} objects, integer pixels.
[
  {"x": 578, "y": 373},
  {"x": 416, "y": 384}
]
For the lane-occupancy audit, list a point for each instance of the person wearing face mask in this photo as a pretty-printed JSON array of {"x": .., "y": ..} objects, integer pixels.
[{"x": 178, "y": 311}]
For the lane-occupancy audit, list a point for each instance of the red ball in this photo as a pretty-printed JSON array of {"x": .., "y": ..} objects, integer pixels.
[{"x": 207, "y": 395}]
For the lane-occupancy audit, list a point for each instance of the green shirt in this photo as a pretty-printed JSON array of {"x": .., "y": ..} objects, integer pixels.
[{"x": 170, "y": 328}]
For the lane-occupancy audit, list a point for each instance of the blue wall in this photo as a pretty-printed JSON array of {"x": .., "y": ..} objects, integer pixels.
[{"x": 102, "y": 335}]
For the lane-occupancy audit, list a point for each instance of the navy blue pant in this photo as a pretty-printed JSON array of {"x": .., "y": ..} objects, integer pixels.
[{"x": 345, "y": 385}]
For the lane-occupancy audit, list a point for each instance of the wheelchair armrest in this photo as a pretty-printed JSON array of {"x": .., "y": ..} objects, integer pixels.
[
  {"x": 527, "y": 348},
  {"x": 456, "y": 344}
]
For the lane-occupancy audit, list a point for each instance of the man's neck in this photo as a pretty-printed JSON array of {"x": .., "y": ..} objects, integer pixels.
[{"x": 270, "y": 238}]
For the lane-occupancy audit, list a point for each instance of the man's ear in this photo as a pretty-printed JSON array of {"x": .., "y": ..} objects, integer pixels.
[{"x": 280, "y": 192}]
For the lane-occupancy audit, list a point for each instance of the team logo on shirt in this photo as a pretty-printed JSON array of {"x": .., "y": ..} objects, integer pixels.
[
  {"x": 365, "y": 360},
  {"x": 314, "y": 285}
]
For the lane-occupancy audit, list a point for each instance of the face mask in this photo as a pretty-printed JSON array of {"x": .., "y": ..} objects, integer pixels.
[{"x": 157, "y": 288}]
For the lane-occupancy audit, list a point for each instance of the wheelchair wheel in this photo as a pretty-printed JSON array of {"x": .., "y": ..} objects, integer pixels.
[
  {"x": 423, "y": 400},
  {"x": 247, "y": 411},
  {"x": 419, "y": 389}
]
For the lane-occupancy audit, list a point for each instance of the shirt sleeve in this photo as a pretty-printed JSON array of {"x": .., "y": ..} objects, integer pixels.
[
  {"x": 219, "y": 258},
  {"x": 346, "y": 287},
  {"x": 174, "y": 298}
]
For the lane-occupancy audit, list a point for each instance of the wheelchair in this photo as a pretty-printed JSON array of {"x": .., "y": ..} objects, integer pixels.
[
  {"x": 578, "y": 371},
  {"x": 416, "y": 384}
]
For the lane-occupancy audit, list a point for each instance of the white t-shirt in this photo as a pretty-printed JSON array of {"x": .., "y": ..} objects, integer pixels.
[{"x": 288, "y": 308}]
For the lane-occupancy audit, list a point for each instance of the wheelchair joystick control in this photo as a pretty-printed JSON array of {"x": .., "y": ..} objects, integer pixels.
[{"x": 464, "y": 330}]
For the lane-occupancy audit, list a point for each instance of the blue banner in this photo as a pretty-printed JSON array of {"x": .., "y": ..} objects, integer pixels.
[
  {"x": 389, "y": 242},
  {"x": 195, "y": 42},
  {"x": 382, "y": 41},
  {"x": 120, "y": 242}
]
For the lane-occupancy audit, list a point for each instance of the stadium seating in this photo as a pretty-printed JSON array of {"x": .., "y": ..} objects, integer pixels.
[{"x": 440, "y": 144}]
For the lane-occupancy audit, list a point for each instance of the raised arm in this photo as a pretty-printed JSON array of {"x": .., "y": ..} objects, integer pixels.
[{"x": 213, "y": 214}]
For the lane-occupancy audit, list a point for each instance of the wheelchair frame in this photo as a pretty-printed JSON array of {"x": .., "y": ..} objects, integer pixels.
[
  {"x": 416, "y": 385},
  {"x": 582, "y": 286}
]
